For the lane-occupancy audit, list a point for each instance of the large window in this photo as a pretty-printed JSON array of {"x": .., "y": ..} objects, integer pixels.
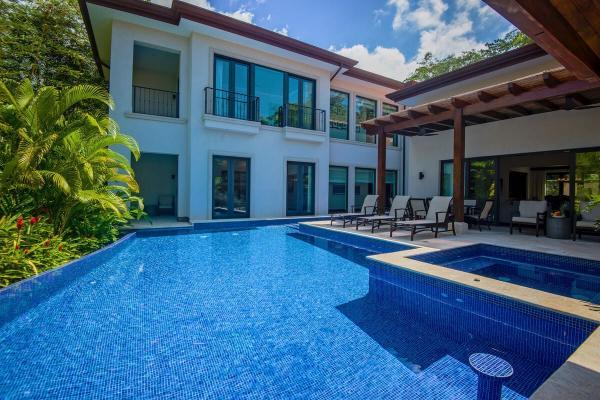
[
  {"x": 230, "y": 97},
  {"x": 364, "y": 184},
  {"x": 481, "y": 182},
  {"x": 391, "y": 186},
  {"x": 300, "y": 188},
  {"x": 365, "y": 109},
  {"x": 339, "y": 112},
  {"x": 231, "y": 187},
  {"x": 338, "y": 189},
  {"x": 268, "y": 87},
  {"x": 301, "y": 102},
  {"x": 388, "y": 109}
]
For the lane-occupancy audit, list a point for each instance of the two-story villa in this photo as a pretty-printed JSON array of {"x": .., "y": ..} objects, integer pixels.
[{"x": 236, "y": 121}]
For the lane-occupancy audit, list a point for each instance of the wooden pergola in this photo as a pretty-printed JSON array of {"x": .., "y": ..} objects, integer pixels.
[{"x": 543, "y": 92}]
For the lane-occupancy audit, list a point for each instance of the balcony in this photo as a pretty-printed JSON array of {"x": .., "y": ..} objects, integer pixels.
[
  {"x": 222, "y": 103},
  {"x": 150, "y": 101},
  {"x": 303, "y": 123}
]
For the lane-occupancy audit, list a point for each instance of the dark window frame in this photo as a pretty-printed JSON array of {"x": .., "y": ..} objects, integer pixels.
[
  {"x": 347, "y": 113},
  {"x": 347, "y": 187},
  {"x": 357, "y": 123},
  {"x": 230, "y": 172}
]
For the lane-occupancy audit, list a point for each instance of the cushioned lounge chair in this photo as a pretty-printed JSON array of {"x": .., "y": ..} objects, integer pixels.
[
  {"x": 531, "y": 213},
  {"x": 436, "y": 220},
  {"x": 369, "y": 207},
  {"x": 398, "y": 211},
  {"x": 418, "y": 208}
]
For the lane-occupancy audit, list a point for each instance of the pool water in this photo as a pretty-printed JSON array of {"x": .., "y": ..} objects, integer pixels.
[
  {"x": 257, "y": 313},
  {"x": 565, "y": 276}
]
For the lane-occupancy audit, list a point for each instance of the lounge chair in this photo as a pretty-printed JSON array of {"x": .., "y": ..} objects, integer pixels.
[
  {"x": 484, "y": 216},
  {"x": 436, "y": 220},
  {"x": 369, "y": 207},
  {"x": 531, "y": 213},
  {"x": 589, "y": 219},
  {"x": 418, "y": 208},
  {"x": 398, "y": 211},
  {"x": 470, "y": 205}
]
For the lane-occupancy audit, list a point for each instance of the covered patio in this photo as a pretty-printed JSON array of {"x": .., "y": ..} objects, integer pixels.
[{"x": 549, "y": 91}]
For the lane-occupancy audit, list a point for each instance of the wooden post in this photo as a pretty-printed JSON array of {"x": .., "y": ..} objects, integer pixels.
[
  {"x": 381, "y": 154},
  {"x": 459, "y": 162}
]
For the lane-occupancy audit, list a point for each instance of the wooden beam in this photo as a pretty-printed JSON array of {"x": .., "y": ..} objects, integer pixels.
[
  {"x": 397, "y": 118},
  {"x": 550, "y": 80},
  {"x": 459, "y": 162},
  {"x": 436, "y": 109},
  {"x": 495, "y": 115},
  {"x": 550, "y": 25},
  {"x": 415, "y": 114},
  {"x": 485, "y": 96},
  {"x": 548, "y": 105},
  {"x": 381, "y": 161},
  {"x": 538, "y": 94},
  {"x": 575, "y": 100},
  {"x": 476, "y": 120},
  {"x": 520, "y": 110},
  {"x": 459, "y": 103},
  {"x": 515, "y": 89}
]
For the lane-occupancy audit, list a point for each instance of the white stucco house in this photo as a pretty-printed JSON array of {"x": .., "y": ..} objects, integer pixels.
[{"x": 236, "y": 121}]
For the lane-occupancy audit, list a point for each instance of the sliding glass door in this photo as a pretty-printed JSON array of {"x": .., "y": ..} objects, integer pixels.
[
  {"x": 301, "y": 102},
  {"x": 231, "y": 187},
  {"x": 481, "y": 181},
  {"x": 587, "y": 178},
  {"x": 300, "y": 188},
  {"x": 230, "y": 97}
]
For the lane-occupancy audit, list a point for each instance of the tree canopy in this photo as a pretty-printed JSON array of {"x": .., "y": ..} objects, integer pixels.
[
  {"x": 430, "y": 67},
  {"x": 45, "y": 41}
]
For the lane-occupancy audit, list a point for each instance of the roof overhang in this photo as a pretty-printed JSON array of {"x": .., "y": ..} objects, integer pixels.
[
  {"x": 181, "y": 10},
  {"x": 510, "y": 58},
  {"x": 542, "y": 92}
]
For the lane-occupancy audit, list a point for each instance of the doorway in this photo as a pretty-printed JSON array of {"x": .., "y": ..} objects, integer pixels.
[
  {"x": 231, "y": 187},
  {"x": 300, "y": 188},
  {"x": 156, "y": 175}
]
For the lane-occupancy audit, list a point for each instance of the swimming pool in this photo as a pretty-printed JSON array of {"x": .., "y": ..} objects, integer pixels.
[
  {"x": 565, "y": 276},
  {"x": 263, "y": 312}
]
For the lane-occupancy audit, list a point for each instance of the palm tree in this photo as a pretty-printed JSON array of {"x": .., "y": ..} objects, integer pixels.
[{"x": 61, "y": 155}]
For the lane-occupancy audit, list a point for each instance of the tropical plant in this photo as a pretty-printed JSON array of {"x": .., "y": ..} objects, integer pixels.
[
  {"x": 61, "y": 156},
  {"x": 59, "y": 168},
  {"x": 429, "y": 66}
]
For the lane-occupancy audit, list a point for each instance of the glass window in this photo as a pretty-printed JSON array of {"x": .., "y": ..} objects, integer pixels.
[
  {"x": 301, "y": 102},
  {"x": 268, "y": 87},
  {"x": 338, "y": 110},
  {"x": 365, "y": 109},
  {"x": 388, "y": 109},
  {"x": 447, "y": 178},
  {"x": 230, "y": 97},
  {"x": 391, "y": 186},
  {"x": 364, "y": 184},
  {"x": 338, "y": 189},
  {"x": 481, "y": 185},
  {"x": 300, "y": 188}
]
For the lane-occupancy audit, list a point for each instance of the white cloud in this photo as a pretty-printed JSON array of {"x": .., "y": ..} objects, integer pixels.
[
  {"x": 382, "y": 60},
  {"x": 446, "y": 39},
  {"x": 283, "y": 31},
  {"x": 241, "y": 14},
  {"x": 401, "y": 7},
  {"x": 201, "y": 3}
]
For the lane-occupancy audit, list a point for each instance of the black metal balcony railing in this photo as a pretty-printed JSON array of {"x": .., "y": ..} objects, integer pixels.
[
  {"x": 155, "y": 102},
  {"x": 297, "y": 116},
  {"x": 231, "y": 105}
]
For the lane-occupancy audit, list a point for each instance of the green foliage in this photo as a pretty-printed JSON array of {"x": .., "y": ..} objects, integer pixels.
[
  {"x": 430, "y": 67},
  {"x": 57, "y": 159},
  {"x": 45, "y": 41}
]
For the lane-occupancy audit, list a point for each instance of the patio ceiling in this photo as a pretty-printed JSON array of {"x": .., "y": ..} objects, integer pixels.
[{"x": 548, "y": 91}]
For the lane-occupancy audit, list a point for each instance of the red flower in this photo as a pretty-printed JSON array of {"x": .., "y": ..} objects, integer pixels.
[
  {"x": 60, "y": 247},
  {"x": 33, "y": 220},
  {"x": 25, "y": 251},
  {"x": 17, "y": 246},
  {"x": 20, "y": 222},
  {"x": 47, "y": 243}
]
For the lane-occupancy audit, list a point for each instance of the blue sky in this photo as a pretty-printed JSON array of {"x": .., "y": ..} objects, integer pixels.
[{"x": 385, "y": 36}]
